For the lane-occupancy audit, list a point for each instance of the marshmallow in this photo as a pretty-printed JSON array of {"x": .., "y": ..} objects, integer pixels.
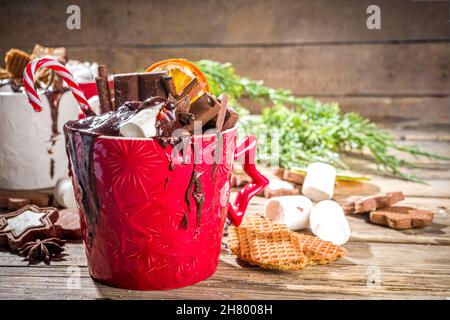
[
  {"x": 319, "y": 181},
  {"x": 82, "y": 71},
  {"x": 290, "y": 210},
  {"x": 328, "y": 222},
  {"x": 64, "y": 194},
  {"x": 142, "y": 125}
]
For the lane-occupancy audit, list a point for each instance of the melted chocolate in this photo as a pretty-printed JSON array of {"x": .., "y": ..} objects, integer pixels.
[
  {"x": 54, "y": 98},
  {"x": 79, "y": 147}
]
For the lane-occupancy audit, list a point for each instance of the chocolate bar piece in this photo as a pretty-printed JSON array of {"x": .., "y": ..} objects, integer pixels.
[
  {"x": 151, "y": 85},
  {"x": 220, "y": 119},
  {"x": 293, "y": 177},
  {"x": 138, "y": 86},
  {"x": 170, "y": 86},
  {"x": 204, "y": 109},
  {"x": 374, "y": 202},
  {"x": 231, "y": 118},
  {"x": 188, "y": 88},
  {"x": 278, "y": 188},
  {"x": 402, "y": 217},
  {"x": 126, "y": 88}
]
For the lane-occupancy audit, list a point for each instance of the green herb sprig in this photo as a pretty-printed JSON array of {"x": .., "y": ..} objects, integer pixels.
[{"x": 309, "y": 130}]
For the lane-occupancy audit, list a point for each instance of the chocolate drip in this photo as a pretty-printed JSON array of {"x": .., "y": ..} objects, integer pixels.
[
  {"x": 198, "y": 197},
  {"x": 80, "y": 148},
  {"x": 54, "y": 98},
  {"x": 195, "y": 190},
  {"x": 15, "y": 84}
]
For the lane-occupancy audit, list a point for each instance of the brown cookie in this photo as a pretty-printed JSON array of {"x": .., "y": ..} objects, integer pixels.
[
  {"x": 9, "y": 199},
  {"x": 402, "y": 217},
  {"x": 27, "y": 224},
  {"x": 68, "y": 224}
]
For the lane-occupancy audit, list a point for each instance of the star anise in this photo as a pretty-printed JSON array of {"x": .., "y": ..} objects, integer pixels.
[{"x": 42, "y": 250}]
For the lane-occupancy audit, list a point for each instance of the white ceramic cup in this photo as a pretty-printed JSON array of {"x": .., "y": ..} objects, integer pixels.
[{"x": 26, "y": 152}]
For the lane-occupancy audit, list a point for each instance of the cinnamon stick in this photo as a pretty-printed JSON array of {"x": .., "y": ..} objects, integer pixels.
[{"x": 104, "y": 93}]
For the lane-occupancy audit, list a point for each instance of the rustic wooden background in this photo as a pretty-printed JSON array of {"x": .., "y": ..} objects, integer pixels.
[{"x": 320, "y": 48}]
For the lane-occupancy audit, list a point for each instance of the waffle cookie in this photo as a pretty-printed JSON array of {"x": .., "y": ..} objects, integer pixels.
[
  {"x": 319, "y": 251},
  {"x": 4, "y": 74},
  {"x": 259, "y": 241},
  {"x": 16, "y": 60}
]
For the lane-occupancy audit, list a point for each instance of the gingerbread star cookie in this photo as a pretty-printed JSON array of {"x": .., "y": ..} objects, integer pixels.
[{"x": 27, "y": 224}]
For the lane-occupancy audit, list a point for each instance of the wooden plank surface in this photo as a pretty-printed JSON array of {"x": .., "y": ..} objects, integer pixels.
[
  {"x": 321, "y": 48},
  {"x": 414, "y": 271},
  {"x": 224, "y": 22},
  {"x": 357, "y": 69}
]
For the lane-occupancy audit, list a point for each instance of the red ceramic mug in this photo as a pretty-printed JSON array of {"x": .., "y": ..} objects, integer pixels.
[{"x": 149, "y": 220}]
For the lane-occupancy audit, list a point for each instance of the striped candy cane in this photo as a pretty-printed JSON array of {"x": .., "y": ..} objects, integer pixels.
[{"x": 33, "y": 97}]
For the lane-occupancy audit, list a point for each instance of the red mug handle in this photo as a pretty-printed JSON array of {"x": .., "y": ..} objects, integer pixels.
[{"x": 246, "y": 148}]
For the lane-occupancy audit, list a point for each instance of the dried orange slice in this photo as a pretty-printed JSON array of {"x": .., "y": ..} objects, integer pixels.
[{"x": 183, "y": 72}]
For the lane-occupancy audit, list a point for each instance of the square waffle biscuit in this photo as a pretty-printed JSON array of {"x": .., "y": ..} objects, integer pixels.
[
  {"x": 267, "y": 244},
  {"x": 319, "y": 251},
  {"x": 16, "y": 60}
]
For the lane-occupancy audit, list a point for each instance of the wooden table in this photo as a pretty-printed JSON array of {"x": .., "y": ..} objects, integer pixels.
[{"x": 381, "y": 263}]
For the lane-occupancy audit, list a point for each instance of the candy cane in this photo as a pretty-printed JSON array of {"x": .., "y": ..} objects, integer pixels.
[{"x": 33, "y": 97}]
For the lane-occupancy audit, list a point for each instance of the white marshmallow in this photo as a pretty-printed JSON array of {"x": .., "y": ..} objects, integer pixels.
[
  {"x": 64, "y": 194},
  {"x": 290, "y": 210},
  {"x": 319, "y": 181},
  {"x": 328, "y": 222},
  {"x": 142, "y": 125}
]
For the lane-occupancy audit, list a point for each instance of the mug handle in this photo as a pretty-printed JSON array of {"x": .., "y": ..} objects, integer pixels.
[{"x": 246, "y": 148}]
